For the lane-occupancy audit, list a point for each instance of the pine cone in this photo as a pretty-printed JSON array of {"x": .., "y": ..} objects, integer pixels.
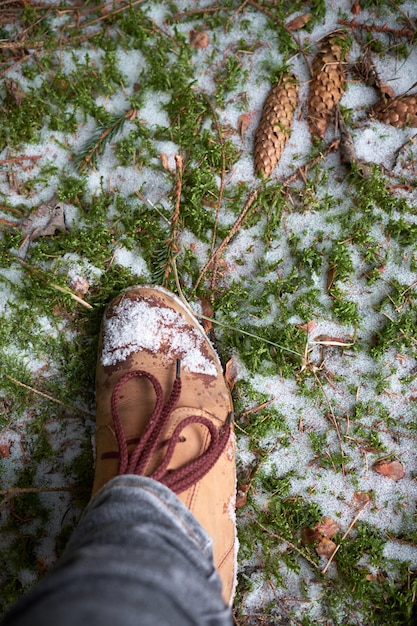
[
  {"x": 275, "y": 124},
  {"x": 328, "y": 82},
  {"x": 399, "y": 112}
]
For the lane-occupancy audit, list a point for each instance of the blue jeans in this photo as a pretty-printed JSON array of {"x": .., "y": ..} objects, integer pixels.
[{"x": 137, "y": 558}]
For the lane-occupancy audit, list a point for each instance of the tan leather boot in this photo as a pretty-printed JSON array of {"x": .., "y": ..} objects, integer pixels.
[{"x": 164, "y": 410}]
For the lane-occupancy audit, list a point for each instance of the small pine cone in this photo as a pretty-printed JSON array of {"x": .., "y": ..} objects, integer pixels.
[
  {"x": 399, "y": 112},
  {"x": 328, "y": 82},
  {"x": 275, "y": 124}
]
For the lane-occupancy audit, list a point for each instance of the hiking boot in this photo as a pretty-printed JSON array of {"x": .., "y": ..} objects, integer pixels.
[{"x": 164, "y": 411}]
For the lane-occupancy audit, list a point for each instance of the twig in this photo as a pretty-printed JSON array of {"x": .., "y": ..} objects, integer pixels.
[
  {"x": 47, "y": 396},
  {"x": 351, "y": 525},
  {"x": 172, "y": 243},
  {"x": 301, "y": 171},
  {"x": 236, "y": 226},
  {"x": 202, "y": 11},
  {"x": 403, "y": 32},
  {"x": 19, "y": 159},
  {"x": 289, "y": 543},
  {"x": 17, "y": 491}
]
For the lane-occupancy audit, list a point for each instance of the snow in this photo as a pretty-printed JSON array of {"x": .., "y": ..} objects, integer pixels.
[{"x": 144, "y": 324}]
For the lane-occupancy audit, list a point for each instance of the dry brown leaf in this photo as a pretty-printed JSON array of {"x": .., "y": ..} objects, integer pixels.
[
  {"x": 231, "y": 373},
  {"x": 199, "y": 39},
  {"x": 327, "y": 340},
  {"x": 326, "y": 547},
  {"x": 390, "y": 469},
  {"x": 242, "y": 495},
  {"x": 4, "y": 450},
  {"x": 207, "y": 311},
  {"x": 327, "y": 527},
  {"x": 43, "y": 221},
  {"x": 79, "y": 286},
  {"x": 164, "y": 161},
  {"x": 243, "y": 124},
  {"x": 356, "y": 8},
  {"x": 15, "y": 91},
  {"x": 308, "y": 327},
  {"x": 298, "y": 22},
  {"x": 361, "y": 497},
  {"x": 309, "y": 535}
]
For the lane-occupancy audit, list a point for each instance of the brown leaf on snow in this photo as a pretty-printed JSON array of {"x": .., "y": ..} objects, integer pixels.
[
  {"x": 164, "y": 161},
  {"x": 298, "y": 22},
  {"x": 241, "y": 495},
  {"x": 361, "y": 497},
  {"x": 207, "y": 311},
  {"x": 43, "y": 221},
  {"x": 199, "y": 39},
  {"x": 308, "y": 327},
  {"x": 231, "y": 373},
  {"x": 4, "y": 450},
  {"x": 326, "y": 547},
  {"x": 389, "y": 469},
  {"x": 356, "y": 8},
  {"x": 327, "y": 340},
  {"x": 309, "y": 535},
  {"x": 79, "y": 286},
  {"x": 15, "y": 91},
  {"x": 327, "y": 527},
  {"x": 243, "y": 124}
]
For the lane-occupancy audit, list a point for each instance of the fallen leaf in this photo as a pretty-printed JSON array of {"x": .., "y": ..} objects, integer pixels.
[
  {"x": 241, "y": 495},
  {"x": 308, "y": 327},
  {"x": 309, "y": 535},
  {"x": 326, "y": 547},
  {"x": 298, "y": 22},
  {"x": 361, "y": 497},
  {"x": 243, "y": 123},
  {"x": 79, "y": 286},
  {"x": 15, "y": 90},
  {"x": 4, "y": 450},
  {"x": 207, "y": 311},
  {"x": 327, "y": 340},
  {"x": 164, "y": 161},
  {"x": 356, "y": 8},
  {"x": 330, "y": 277},
  {"x": 389, "y": 469},
  {"x": 327, "y": 527},
  {"x": 43, "y": 221},
  {"x": 231, "y": 373},
  {"x": 199, "y": 39}
]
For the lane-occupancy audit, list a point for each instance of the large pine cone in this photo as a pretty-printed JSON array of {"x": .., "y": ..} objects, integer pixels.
[
  {"x": 399, "y": 112},
  {"x": 275, "y": 124},
  {"x": 328, "y": 82}
]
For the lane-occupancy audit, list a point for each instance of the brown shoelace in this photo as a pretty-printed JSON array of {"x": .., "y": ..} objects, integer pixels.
[{"x": 180, "y": 479}]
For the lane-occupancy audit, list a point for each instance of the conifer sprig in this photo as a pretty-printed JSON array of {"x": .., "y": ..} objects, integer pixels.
[{"x": 89, "y": 153}]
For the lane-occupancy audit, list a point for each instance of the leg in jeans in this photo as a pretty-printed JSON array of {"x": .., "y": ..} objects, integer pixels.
[
  {"x": 138, "y": 557},
  {"x": 157, "y": 543}
]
